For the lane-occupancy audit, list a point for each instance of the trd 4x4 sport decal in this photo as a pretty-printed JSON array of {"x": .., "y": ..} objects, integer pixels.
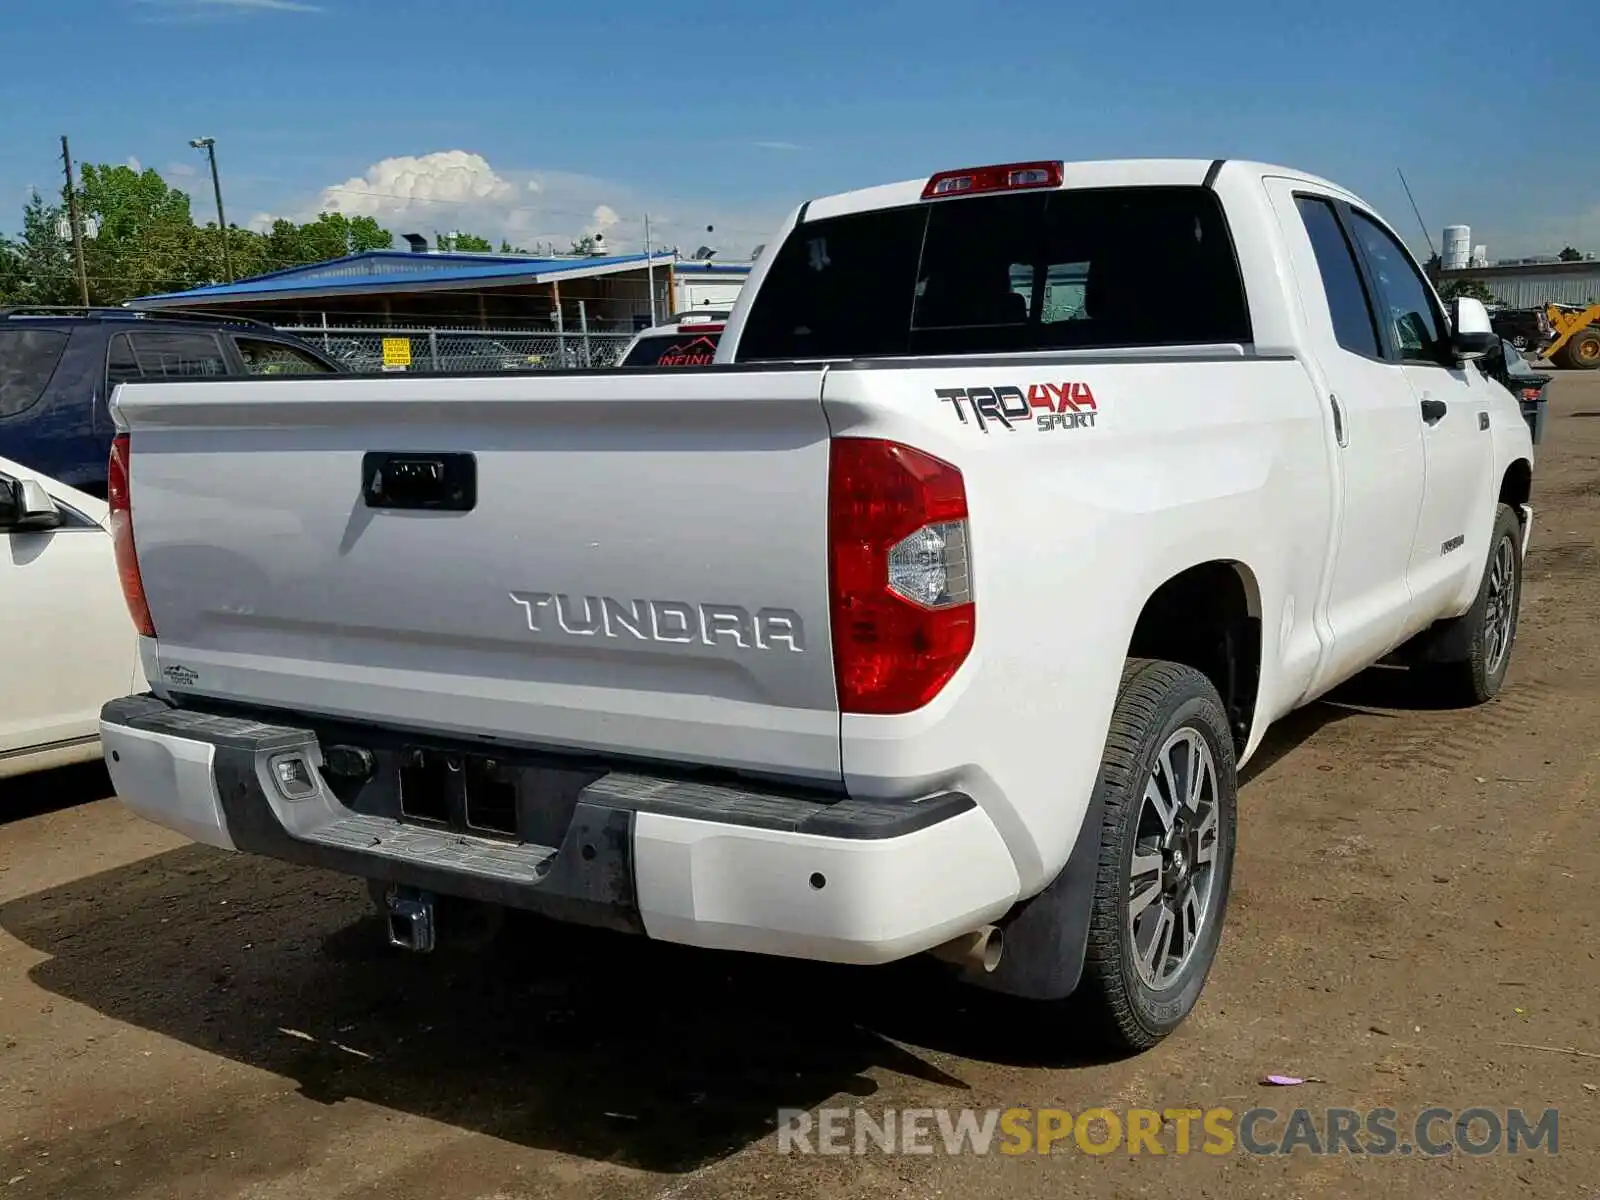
[{"x": 1048, "y": 405}]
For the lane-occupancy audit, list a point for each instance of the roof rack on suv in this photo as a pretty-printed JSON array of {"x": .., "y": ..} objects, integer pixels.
[{"x": 134, "y": 314}]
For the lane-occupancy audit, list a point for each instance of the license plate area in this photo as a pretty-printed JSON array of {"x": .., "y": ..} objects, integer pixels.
[{"x": 470, "y": 793}]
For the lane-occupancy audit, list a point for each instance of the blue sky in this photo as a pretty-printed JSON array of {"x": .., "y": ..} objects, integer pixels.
[{"x": 567, "y": 117}]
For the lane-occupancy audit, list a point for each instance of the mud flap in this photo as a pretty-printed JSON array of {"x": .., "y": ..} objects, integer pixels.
[{"x": 1047, "y": 936}]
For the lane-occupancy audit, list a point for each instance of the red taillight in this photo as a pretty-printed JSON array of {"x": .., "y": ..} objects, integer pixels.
[
  {"x": 903, "y": 616},
  {"x": 1007, "y": 177},
  {"x": 122, "y": 536}
]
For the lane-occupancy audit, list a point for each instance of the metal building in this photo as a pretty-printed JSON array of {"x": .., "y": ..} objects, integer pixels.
[
  {"x": 1532, "y": 285},
  {"x": 452, "y": 311},
  {"x": 707, "y": 284}
]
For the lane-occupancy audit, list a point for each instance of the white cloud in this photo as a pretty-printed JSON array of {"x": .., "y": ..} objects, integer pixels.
[
  {"x": 398, "y": 185},
  {"x": 180, "y": 170},
  {"x": 538, "y": 210},
  {"x": 135, "y": 164},
  {"x": 778, "y": 145}
]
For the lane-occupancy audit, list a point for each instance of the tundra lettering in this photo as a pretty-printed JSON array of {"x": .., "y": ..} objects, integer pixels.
[{"x": 669, "y": 621}]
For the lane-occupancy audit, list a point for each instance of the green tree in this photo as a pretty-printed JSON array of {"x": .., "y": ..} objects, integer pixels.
[
  {"x": 146, "y": 240},
  {"x": 1571, "y": 254},
  {"x": 584, "y": 245},
  {"x": 469, "y": 243},
  {"x": 141, "y": 239},
  {"x": 1470, "y": 289},
  {"x": 37, "y": 267},
  {"x": 331, "y": 235}
]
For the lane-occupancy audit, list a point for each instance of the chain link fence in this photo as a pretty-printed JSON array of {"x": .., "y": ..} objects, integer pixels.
[{"x": 375, "y": 350}]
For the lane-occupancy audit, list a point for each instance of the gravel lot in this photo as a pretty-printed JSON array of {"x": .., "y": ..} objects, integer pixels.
[{"x": 1414, "y": 889}]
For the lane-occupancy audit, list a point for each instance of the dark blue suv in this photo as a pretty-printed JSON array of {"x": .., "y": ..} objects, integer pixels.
[{"x": 58, "y": 367}]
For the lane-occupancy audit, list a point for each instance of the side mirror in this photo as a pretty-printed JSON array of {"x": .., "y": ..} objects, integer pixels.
[
  {"x": 25, "y": 507},
  {"x": 1472, "y": 333}
]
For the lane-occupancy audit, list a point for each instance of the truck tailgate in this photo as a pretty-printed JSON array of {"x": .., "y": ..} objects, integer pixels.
[{"x": 642, "y": 570}]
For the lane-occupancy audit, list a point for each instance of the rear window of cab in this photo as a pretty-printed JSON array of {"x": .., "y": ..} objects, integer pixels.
[{"x": 1041, "y": 270}]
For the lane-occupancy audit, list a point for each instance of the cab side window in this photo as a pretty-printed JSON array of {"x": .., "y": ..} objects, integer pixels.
[{"x": 1406, "y": 302}]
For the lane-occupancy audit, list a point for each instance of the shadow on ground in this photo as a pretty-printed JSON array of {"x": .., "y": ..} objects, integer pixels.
[
  {"x": 592, "y": 1044},
  {"x": 1380, "y": 691},
  {"x": 47, "y": 791},
  {"x": 599, "y": 1045}
]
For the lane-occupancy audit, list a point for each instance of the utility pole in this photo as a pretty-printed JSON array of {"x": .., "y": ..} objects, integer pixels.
[
  {"x": 209, "y": 145},
  {"x": 650, "y": 268},
  {"x": 77, "y": 227}
]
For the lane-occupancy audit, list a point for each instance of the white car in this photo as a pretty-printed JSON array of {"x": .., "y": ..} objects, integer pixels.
[
  {"x": 66, "y": 643},
  {"x": 937, "y": 615}
]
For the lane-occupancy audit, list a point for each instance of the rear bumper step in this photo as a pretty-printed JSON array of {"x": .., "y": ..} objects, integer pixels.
[{"x": 848, "y": 879}]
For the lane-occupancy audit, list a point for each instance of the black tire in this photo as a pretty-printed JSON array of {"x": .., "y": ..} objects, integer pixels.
[
  {"x": 1477, "y": 666},
  {"x": 1582, "y": 351},
  {"x": 1156, "y": 702}
]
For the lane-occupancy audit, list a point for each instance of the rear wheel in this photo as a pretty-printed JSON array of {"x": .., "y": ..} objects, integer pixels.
[
  {"x": 1168, "y": 794},
  {"x": 1582, "y": 351}
]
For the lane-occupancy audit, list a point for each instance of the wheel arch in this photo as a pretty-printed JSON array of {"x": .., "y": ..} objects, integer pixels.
[
  {"x": 1516, "y": 485},
  {"x": 1208, "y": 616}
]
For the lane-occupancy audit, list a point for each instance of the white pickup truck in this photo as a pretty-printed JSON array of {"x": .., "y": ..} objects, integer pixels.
[{"x": 937, "y": 615}]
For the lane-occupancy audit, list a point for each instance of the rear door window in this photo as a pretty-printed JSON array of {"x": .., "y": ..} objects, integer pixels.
[
  {"x": 28, "y": 359},
  {"x": 1074, "y": 269},
  {"x": 687, "y": 349},
  {"x": 144, "y": 356}
]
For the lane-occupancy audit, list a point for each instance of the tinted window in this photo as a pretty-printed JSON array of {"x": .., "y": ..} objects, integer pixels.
[
  {"x": 839, "y": 287},
  {"x": 28, "y": 358},
  {"x": 1033, "y": 271},
  {"x": 164, "y": 356},
  {"x": 120, "y": 363},
  {"x": 686, "y": 349},
  {"x": 1406, "y": 303},
  {"x": 278, "y": 358},
  {"x": 1353, "y": 324}
]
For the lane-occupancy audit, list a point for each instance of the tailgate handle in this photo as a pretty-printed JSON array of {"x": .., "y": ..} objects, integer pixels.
[{"x": 431, "y": 482}]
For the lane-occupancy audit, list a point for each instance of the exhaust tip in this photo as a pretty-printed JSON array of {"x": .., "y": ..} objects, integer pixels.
[{"x": 978, "y": 951}]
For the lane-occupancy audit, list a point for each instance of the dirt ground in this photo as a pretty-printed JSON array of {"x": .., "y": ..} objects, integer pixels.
[{"x": 1414, "y": 889}]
